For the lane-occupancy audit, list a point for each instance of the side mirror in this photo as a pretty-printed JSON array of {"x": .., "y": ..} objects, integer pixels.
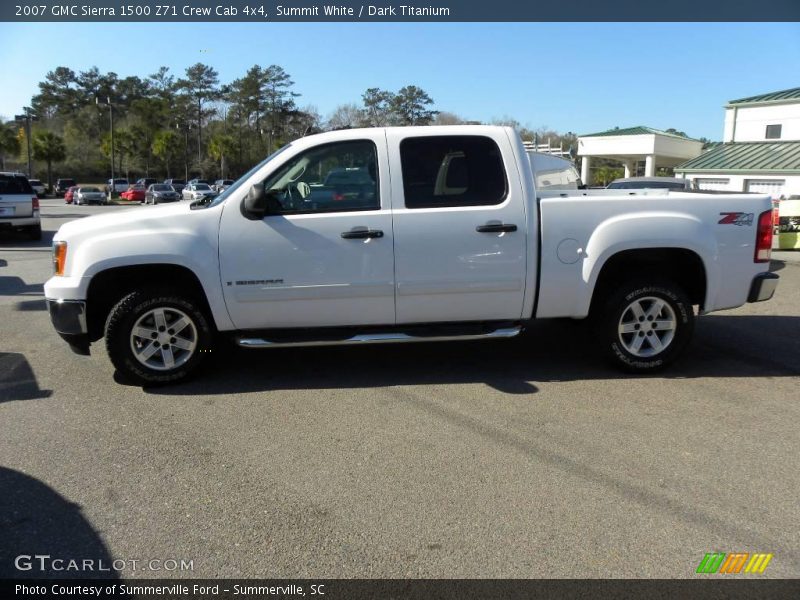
[{"x": 258, "y": 203}]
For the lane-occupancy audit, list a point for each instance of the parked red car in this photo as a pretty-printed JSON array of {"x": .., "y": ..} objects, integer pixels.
[
  {"x": 135, "y": 193},
  {"x": 68, "y": 194}
]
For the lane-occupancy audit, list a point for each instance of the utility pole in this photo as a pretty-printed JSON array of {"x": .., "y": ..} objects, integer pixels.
[
  {"x": 186, "y": 127},
  {"x": 199, "y": 133},
  {"x": 112, "y": 189},
  {"x": 27, "y": 117}
]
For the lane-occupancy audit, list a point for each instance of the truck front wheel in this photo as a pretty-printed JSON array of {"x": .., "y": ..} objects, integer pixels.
[
  {"x": 644, "y": 326},
  {"x": 157, "y": 336}
]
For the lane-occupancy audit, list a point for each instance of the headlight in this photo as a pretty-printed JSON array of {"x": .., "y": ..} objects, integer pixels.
[{"x": 59, "y": 257}]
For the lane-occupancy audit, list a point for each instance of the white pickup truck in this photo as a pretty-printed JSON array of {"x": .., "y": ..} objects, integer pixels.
[{"x": 444, "y": 237}]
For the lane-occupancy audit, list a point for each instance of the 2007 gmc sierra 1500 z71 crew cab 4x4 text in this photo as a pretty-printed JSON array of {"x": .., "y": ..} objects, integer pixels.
[{"x": 444, "y": 235}]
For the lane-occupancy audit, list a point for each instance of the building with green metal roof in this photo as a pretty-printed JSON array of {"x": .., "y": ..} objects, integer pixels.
[
  {"x": 634, "y": 145},
  {"x": 760, "y": 150}
]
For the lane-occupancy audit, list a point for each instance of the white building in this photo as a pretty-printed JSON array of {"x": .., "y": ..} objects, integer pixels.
[
  {"x": 760, "y": 150},
  {"x": 633, "y": 145}
]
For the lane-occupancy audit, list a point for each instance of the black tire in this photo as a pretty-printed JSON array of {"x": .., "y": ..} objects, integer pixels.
[
  {"x": 35, "y": 232},
  {"x": 627, "y": 308},
  {"x": 137, "y": 307}
]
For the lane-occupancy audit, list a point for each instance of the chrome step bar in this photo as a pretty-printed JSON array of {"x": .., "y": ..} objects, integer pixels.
[{"x": 380, "y": 338}]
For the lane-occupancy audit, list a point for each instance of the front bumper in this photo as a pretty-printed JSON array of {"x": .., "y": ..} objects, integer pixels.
[
  {"x": 763, "y": 287},
  {"x": 69, "y": 320}
]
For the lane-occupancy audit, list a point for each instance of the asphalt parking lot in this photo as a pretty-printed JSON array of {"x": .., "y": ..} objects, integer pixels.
[{"x": 519, "y": 459}]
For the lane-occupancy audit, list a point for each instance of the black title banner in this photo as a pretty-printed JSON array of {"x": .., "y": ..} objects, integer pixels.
[
  {"x": 403, "y": 10},
  {"x": 396, "y": 589}
]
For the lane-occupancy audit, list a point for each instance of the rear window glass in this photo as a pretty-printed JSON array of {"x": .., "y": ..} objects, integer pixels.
[
  {"x": 14, "y": 184},
  {"x": 445, "y": 171}
]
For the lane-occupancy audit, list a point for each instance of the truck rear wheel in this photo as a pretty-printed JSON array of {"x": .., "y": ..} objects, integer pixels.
[
  {"x": 644, "y": 326},
  {"x": 156, "y": 336}
]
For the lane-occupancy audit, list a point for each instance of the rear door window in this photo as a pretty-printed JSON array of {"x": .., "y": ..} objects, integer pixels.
[{"x": 442, "y": 171}]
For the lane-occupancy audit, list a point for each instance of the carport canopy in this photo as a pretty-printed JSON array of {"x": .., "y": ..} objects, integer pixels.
[{"x": 633, "y": 144}]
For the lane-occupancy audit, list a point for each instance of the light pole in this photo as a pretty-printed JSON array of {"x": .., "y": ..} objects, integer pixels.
[
  {"x": 27, "y": 117},
  {"x": 186, "y": 128},
  {"x": 112, "y": 189}
]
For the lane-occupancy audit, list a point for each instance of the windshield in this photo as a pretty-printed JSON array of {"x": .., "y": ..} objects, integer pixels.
[
  {"x": 89, "y": 190},
  {"x": 235, "y": 185},
  {"x": 162, "y": 188},
  {"x": 201, "y": 186}
]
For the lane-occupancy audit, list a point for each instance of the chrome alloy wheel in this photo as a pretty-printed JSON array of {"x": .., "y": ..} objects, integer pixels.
[
  {"x": 647, "y": 326},
  {"x": 163, "y": 338}
]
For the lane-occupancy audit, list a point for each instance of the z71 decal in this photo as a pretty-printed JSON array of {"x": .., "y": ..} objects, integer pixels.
[{"x": 736, "y": 218}]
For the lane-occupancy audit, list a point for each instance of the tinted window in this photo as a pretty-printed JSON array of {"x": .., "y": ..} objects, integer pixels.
[
  {"x": 452, "y": 171},
  {"x": 14, "y": 184},
  {"x": 161, "y": 187},
  {"x": 313, "y": 181},
  {"x": 773, "y": 132}
]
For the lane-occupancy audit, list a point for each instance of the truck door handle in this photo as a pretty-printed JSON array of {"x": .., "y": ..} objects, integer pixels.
[
  {"x": 362, "y": 234},
  {"x": 495, "y": 228}
]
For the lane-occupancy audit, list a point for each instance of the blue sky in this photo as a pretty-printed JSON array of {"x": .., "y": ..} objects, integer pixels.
[{"x": 580, "y": 77}]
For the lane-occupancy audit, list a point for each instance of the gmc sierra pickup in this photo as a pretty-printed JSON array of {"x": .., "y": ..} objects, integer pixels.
[{"x": 443, "y": 236}]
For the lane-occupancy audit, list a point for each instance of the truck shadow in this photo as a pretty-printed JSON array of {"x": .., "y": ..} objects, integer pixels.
[
  {"x": 777, "y": 265},
  {"x": 17, "y": 379},
  {"x": 37, "y": 520},
  {"x": 19, "y": 240},
  {"x": 724, "y": 346}
]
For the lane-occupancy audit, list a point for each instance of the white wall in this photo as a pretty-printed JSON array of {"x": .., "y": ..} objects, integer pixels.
[
  {"x": 614, "y": 145},
  {"x": 677, "y": 148},
  {"x": 752, "y": 121},
  {"x": 738, "y": 182}
]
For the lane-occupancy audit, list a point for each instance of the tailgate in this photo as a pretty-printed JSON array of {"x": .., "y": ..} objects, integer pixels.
[{"x": 14, "y": 205}]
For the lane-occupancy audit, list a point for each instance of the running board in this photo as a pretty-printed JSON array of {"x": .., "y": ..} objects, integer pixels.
[{"x": 379, "y": 338}]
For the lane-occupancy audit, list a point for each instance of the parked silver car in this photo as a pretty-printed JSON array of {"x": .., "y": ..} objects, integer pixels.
[
  {"x": 88, "y": 195},
  {"x": 198, "y": 191},
  {"x": 19, "y": 205}
]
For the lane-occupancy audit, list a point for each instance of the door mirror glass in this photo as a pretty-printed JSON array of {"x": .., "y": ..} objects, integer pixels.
[
  {"x": 254, "y": 205},
  {"x": 259, "y": 203}
]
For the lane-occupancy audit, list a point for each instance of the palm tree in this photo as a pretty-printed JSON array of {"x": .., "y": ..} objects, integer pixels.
[
  {"x": 221, "y": 146},
  {"x": 49, "y": 147}
]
